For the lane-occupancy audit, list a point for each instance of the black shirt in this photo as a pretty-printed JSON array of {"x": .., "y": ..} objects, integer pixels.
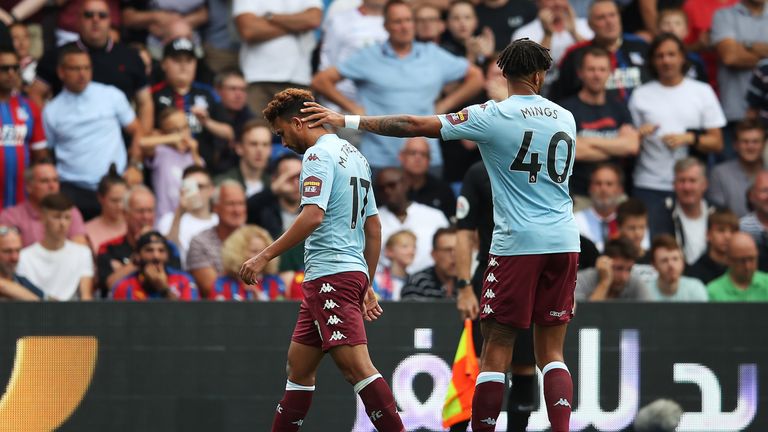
[
  {"x": 602, "y": 121},
  {"x": 705, "y": 269},
  {"x": 505, "y": 20},
  {"x": 627, "y": 63},
  {"x": 437, "y": 194},
  {"x": 164, "y": 96},
  {"x": 424, "y": 285},
  {"x": 114, "y": 64}
]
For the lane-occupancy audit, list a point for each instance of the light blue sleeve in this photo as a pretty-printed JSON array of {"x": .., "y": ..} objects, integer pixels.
[
  {"x": 472, "y": 123},
  {"x": 357, "y": 67},
  {"x": 316, "y": 178},
  {"x": 452, "y": 67},
  {"x": 50, "y": 132},
  {"x": 125, "y": 114}
]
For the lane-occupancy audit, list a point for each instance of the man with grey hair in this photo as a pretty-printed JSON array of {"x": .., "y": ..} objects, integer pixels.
[
  {"x": 204, "y": 255},
  {"x": 685, "y": 216},
  {"x": 13, "y": 286},
  {"x": 113, "y": 260}
]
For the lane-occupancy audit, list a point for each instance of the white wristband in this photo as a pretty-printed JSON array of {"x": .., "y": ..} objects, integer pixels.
[{"x": 351, "y": 121}]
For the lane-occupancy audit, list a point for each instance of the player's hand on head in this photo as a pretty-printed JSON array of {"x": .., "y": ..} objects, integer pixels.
[
  {"x": 317, "y": 115},
  {"x": 466, "y": 303},
  {"x": 371, "y": 308}
]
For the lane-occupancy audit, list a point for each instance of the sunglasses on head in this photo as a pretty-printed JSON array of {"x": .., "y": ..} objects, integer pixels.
[
  {"x": 4, "y": 230},
  {"x": 92, "y": 14},
  {"x": 9, "y": 67}
]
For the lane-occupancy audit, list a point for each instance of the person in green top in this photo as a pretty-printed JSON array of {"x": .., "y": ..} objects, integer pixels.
[{"x": 742, "y": 282}]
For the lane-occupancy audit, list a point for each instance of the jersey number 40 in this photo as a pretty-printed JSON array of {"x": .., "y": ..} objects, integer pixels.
[{"x": 533, "y": 167}]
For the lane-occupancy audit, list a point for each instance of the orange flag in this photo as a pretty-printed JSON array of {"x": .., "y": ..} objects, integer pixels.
[{"x": 458, "y": 401}]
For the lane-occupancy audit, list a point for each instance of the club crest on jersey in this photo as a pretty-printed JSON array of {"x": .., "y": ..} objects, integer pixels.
[
  {"x": 311, "y": 187},
  {"x": 459, "y": 117},
  {"x": 21, "y": 114},
  {"x": 312, "y": 157}
]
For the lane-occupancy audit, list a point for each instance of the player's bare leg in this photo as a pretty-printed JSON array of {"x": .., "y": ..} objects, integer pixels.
[
  {"x": 356, "y": 366},
  {"x": 499, "y": 341},
  {"x": 303, "y": 361},
  {"x": 558, "y": 386}
]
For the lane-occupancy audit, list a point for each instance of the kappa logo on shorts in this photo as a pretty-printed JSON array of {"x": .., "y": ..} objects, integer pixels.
[
  {"x": 337, "y": 335},
  {"x": 334, "y": 320},
  {"x": 492, "y": 262},
  {"x": 458, "y": 118},
  {"x": 556, "y": 313},
  {"x": 487, "y": 309},
  {"x": 330, "y": 304},
  {"x": 375, "y": 415},
  {"x": 491, "y": 278},
  {"x": 489, "y": 420},
  {"x": 326, "y": 288},
  {"x": 311, "y": 187},
  {"x": 489, "y": 294},
  {"x": 298, "y": 422},
  {"x": 562, "y": 402},
  {"x": 279, "y": 409}
]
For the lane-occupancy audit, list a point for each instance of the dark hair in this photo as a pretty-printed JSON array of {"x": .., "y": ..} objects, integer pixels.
[
  {"x": 69, "y": 49},
  {"x": 111, "y": 178},
  {"x": 441, "y": 232},
  {"x": 748, "y": 125},
  {"x": 609, "y": 166},
  {"x": 522, "y": 58},
  {"x": 282, "y": 158},
  {"x": 8, "y": 50},
  {"x": 287, "y": 104},
  {"x": 594, "y": 51},
  {"x": 663, "y": 241},
  {"x": 56, "y": 202},
  {"x": 632, "y": 207},
  {"x": 222, "y": 76},
  {"x": 621, "y": 248},
  {"x": 253, "y": 124},
  {"x": 656, "y": 43},
  {"x": 392, "y": 3},
  {"x": 723, "y": 217},
  {"x": 195, "y": 169}
]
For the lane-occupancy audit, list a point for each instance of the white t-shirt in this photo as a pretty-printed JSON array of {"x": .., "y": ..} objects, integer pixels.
[
  {"x": 58, "y": 272},
  {"x": 282, "y": 59},
  {"x": 345, "y": 33},
  {"x": 695, "y": 234},
  {"x": 688, "y": 105},
  {"x": 560, "y": 40},
  {"x": 189, "y": 226},
  {"x": 423, "y": 221}
]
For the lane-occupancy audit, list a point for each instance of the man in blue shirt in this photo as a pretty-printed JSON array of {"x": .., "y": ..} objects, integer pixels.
[
  {"x": 528, "y": 145},
  {"x": 340, "y": 223},
  {"x": 400, "y": 75},
  {"x": 83, "y": 124}
]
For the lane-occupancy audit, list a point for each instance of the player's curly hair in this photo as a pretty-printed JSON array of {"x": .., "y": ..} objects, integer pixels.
[
  {"x": 287, "y": 104},
  {"x": 522, "y": 58}
]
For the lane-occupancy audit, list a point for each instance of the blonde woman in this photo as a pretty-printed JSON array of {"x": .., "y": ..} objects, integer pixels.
[{"x": 245, "y": 242}]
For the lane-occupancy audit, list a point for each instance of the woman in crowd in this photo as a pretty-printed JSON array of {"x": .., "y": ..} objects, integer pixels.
[
  {"x": 111, "y": 222},
  {"x": 461, "y": 38},
  {"x": 245, "y": 242}
]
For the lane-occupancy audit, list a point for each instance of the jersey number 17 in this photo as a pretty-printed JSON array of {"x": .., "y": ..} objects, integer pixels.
[{"x": 365, "y": 185}]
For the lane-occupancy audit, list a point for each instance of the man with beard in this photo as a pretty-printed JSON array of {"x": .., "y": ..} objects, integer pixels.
[
  {"x": 598, "y": 222},
  {"x": 154, "y": 279}
]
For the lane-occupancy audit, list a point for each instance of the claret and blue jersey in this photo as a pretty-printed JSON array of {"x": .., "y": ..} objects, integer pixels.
[
  {"x": 336, "y": 177},
  {"x": 528, "y": 145}
]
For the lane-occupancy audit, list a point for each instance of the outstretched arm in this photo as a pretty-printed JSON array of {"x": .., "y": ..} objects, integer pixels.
[{"x": 391, "y": 125}]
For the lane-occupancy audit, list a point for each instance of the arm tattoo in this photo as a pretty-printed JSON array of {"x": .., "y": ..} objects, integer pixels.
[{"x": 394, "y": 125}]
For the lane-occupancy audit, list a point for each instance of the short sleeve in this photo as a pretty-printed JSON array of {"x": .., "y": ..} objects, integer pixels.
[
  {"x": 452, "y": 67},
  {"x": 197, "y": 256},
  {"x": 712, "y": 115},
  {"x": 698, "y": 291},
  {"x": 87, "y": 261},
  {"x": 586, "y": 281},
  {"x": 37, "y": 139},
  {"x": 468, "y": 203},
  {"x": 48, "y": 126},
  {"x": 722, "y": 26},
  {"x": 78, "y": 226},
  {"x": 316, "y": 178},
  {"x": 357, "y": 66},
  {"x": 471, "y": 123},
  {"x": 240, "y": 7},
  {"x": 125, "y": 114}
]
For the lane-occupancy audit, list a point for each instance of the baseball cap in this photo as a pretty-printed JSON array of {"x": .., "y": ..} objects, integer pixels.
[
  {"x": 150, "y": 237},
  {"x": 179, "y": 46}
]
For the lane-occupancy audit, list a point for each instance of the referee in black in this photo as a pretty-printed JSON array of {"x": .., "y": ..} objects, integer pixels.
[{"x": 474, "y": 213}]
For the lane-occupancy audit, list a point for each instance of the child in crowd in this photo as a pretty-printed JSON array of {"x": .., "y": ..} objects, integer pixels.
[
  {"x": 167, "y": 156},
  {"x": 400, "y": 249},
  {"x": 675, "y": 21},
  {"x": 246, "y": 242}
]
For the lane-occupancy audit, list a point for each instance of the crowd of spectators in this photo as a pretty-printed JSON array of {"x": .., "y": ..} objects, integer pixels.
[{"x": 136, "y": 163}]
